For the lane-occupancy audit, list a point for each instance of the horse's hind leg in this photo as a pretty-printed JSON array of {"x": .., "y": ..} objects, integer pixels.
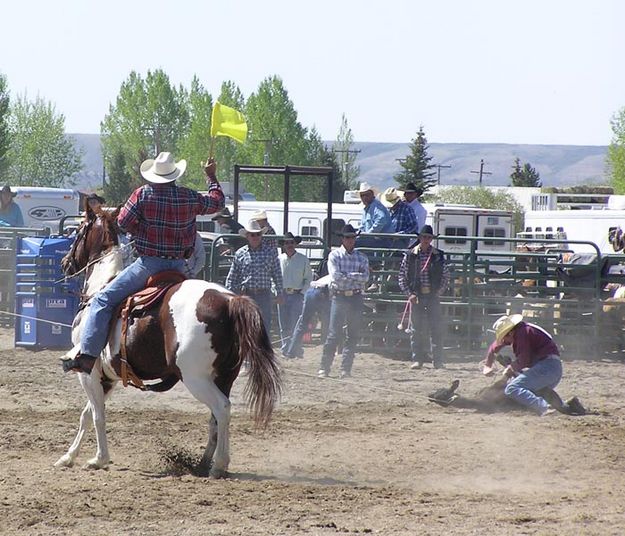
[
  {"x": 207, "y": 392},
  {"x": 68, "y": 459}
]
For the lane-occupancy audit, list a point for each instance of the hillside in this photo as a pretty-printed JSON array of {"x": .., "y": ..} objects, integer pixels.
[{"x": 558, "y": 165}]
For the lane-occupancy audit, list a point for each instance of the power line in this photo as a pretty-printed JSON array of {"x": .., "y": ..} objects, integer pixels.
[{"x": 438, "y": 172}]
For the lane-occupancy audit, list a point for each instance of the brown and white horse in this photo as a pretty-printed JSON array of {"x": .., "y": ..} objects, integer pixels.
[{"x": 199, "y": 334}]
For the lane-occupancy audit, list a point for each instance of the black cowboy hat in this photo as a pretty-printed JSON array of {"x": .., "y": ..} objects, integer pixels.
[
  {"x": 348, "y": 231},
  {"x": 411, "y": 187},
  {"x": 426, "y": 230},
  {"x": 289, "y": 236},
  {"x": 97, "y": 197},
  {"x": 223, "y": 213},
  {"x": 7, "y": 188}
]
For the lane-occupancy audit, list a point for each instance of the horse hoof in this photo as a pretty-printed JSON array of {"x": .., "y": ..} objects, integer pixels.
[
  {"x": 94, "y": 464},
  {"x": 64, "y": 461},
  {"x": 218, "y": 473}
]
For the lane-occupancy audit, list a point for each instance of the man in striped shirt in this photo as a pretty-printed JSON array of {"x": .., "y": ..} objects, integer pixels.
[
  {"x": 160, "y": 216},
  {"x": 424, "y": 276},
  {"x": 349, "y": 272},
  {"x": 254, "y": 268},
  {"x": 402, "y": 216}
]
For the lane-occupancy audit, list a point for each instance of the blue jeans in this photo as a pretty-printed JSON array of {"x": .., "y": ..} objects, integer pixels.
[
  {"x": 345, "y": 310},
  {"x": 426, "y": 329},
  {"x": 545, "y": 373},
  {"x": 288, "y": 313},
  {"x": 264, "y": 300},
  {"x": 95, "y": 330},
  {"x": 316, "y": 301}
]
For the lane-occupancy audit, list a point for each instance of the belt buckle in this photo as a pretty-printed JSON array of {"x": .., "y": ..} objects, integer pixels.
[
  {"x": 425, "y": 290},
  {"x": 349, "y": 293}
]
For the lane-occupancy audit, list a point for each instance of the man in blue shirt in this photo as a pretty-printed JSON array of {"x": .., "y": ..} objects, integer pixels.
[
  {"x": 402, "y": 216},
  {"x": 376, "y": 219},
  {"x": 10, "y": 213}
]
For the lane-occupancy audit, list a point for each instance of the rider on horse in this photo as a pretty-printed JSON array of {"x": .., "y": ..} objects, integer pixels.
[{"x": 161, "y": 217}]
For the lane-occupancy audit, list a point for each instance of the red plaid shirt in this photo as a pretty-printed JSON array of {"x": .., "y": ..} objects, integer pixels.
[{"x": 161, "y": 217}]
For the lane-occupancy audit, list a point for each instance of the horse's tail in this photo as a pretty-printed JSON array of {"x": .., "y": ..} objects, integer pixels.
[{"x": 264, "y": 384}]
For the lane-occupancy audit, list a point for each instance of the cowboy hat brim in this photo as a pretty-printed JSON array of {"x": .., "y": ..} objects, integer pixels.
[
  {"x": 244, "y": 232},
  {"x": 147, "y": 172}
]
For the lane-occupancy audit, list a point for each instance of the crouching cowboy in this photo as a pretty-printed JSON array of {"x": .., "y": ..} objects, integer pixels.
[{"x": 537, "y": 364}]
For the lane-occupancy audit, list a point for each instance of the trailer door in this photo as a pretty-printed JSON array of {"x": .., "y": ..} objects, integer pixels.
[
  {"x": 498, "y": 226},
  {"x": 455, "y": 226}
]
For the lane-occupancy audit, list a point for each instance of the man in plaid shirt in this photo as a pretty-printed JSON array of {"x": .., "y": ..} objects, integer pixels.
[
  {"x": 423, "y": 276},
  {"x": 349, "y": 271},
  {"x": 253, "y": 270},
  {"x": 161, "y": 217},
  {"x": 402, "y": 216}
]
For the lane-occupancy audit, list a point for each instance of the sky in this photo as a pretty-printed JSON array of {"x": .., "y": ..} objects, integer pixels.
[{"x": 481, "y": 71}]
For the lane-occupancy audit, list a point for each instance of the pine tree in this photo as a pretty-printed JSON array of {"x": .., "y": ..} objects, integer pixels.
[
  {"x": 417, "y": 166},
  {"x": 525, "y": 176}
]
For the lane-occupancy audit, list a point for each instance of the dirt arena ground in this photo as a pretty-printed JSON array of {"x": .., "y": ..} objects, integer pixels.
[{"x": 368, "y": 455}]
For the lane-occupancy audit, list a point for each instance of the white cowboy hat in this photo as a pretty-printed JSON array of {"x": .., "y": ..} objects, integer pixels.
[
  {"x": 365, "y": 187},
  {"x": 505, "y": 324},
  {"x": 258, "y": 215},
  {"x": 252, "y": 227},
  {"x": 390, "y": 197},
  {"x": 162, "y": 169}
]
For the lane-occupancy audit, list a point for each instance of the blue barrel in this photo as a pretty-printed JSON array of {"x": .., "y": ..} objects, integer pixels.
[{"x": 45, "y": 302}]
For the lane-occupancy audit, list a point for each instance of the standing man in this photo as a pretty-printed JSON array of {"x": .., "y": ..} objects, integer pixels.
[
  {"x": 402, "y": 216},
  {"x": 161, "y": 217},
  {"x": 260, "y": 216},
  {"x": 412, "y": 194},
  {"x": 254, "y": 268},
  {"x": 10, "y": 212},
  {"x": 227, "y": 224},
  {"x": 424, "y": 276},
  {"x": 375, "y": 219},
  {"x": 296, "y": 278},
  {"x": 349, "y": 271}
]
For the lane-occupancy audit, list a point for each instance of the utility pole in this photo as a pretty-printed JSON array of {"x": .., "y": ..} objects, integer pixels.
[
  {"x": 438, "y": 172},
  {"x": 481, "y": 171},
  {"x": 345, "y": 161}
]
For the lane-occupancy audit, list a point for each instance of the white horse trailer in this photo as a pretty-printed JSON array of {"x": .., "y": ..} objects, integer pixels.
[{"x": 44, "y": 207}]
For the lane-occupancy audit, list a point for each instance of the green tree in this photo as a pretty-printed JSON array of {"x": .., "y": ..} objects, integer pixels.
[
  {"x": 149, "y": 116},
  {"x": 417, "y": 166},
  {"x": 195, "y": 142},
  {"x": 4, "y": 126},
  {"x": 346, "y": 155},
  {"x": 40, "y": 153},
  {"x": 483, "y": 197},
  {"x": 275, "y": 136},
  {"x": 616, "y": 152},
  {"x": 525, "y": 176},
  {"x": 119, "y": 185}
]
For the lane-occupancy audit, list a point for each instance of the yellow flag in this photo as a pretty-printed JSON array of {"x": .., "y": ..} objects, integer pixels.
[{"x": 227, "y": 121}]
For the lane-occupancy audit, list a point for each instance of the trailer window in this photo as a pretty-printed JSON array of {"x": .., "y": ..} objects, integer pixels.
[
  {"x": 495, "y": 232},
  {"x": 309, "y": 230},
  {"x": 455, "y": 231},
  {"x": 207, "y": 226}
]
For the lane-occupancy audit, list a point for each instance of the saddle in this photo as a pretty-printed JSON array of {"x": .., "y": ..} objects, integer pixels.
[{"x": 135, "y": 305}]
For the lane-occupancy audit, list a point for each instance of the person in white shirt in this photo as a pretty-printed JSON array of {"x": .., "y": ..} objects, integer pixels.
[{"x": 296, "y": 278}]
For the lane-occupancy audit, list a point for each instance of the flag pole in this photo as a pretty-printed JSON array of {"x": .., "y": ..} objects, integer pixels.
[{"x": 210, "y": 150}]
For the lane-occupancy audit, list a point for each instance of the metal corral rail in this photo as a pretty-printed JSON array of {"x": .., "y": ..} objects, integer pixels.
[
  {"x": 547, "y": 286},
  {"x": 9, "y": 237}
]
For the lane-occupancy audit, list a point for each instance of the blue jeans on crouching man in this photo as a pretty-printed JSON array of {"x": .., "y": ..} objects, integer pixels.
[
  {"x": 288, "y": 313},
  {"x": 345, "y": 310},
  {"x": 316, "y": 301},
  {"x": 95, "y": 328},
  {"x": 545, "y": 373}
]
